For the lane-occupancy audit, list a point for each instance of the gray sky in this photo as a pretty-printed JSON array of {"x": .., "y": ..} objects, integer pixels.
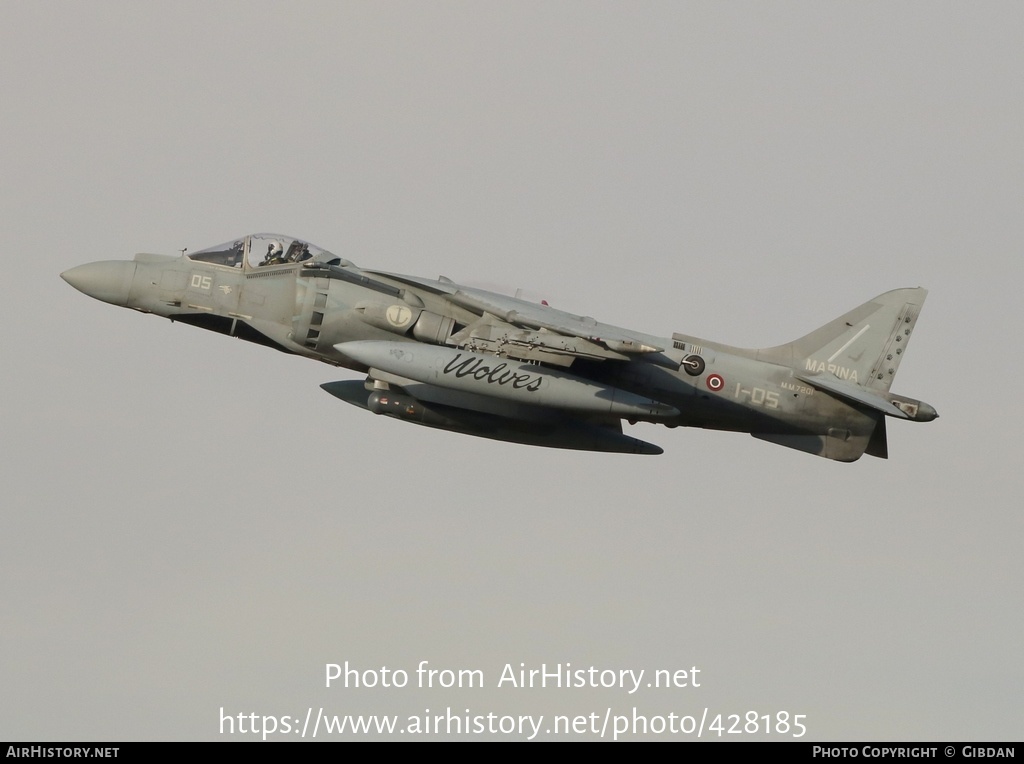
[{"x": 190, "y": 523}]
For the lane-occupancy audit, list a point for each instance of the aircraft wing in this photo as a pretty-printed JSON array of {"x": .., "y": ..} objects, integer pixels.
[{"x": 527, "y": 331}]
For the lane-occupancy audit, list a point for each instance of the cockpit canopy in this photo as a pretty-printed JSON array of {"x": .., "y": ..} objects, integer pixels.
[{"x": 259, "y": 250}]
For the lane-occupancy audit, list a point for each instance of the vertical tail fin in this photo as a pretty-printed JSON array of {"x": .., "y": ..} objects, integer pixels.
[{"x": 862, "y": 347}]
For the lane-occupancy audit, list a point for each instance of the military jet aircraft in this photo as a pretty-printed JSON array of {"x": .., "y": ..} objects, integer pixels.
[{"x": 457, "y": 358}]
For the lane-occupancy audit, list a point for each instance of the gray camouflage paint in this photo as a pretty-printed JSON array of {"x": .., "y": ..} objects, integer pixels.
[{"x": 484, "y": 364}]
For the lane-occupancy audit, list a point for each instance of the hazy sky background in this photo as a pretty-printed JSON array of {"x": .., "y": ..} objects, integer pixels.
[{"x": 190, "y": 523}]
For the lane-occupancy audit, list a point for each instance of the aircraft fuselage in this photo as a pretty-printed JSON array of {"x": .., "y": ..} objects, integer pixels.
[{"x": 492, "y": 365}]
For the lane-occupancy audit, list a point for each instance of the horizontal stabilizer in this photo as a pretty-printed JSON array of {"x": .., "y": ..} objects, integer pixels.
[
  {"x": 852, "y": 392},
  {"x": 898, "y": 406}
]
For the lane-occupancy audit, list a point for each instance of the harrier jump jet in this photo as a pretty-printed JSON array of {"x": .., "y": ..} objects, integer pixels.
[{"x": 457, "y": 358}]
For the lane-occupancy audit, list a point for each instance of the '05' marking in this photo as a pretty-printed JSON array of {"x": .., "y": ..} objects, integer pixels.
[{"x": 200, "y": 281}]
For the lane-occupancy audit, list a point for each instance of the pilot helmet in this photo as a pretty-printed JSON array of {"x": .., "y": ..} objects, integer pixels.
[{"x": 275, "y": 249}]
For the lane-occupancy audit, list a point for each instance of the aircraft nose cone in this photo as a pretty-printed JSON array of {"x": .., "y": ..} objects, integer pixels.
[{"x": 109, "y": 281}]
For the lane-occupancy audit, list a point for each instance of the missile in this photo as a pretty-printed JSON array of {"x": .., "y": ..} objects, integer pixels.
[{"x": 504, "y": 378}]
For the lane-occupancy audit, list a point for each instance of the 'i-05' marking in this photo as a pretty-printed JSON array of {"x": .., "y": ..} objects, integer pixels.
[{"x": 758, "y": 396}]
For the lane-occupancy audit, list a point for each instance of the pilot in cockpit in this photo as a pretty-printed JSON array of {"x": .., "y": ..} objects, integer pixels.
[{"x": 275, "y": 252}]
